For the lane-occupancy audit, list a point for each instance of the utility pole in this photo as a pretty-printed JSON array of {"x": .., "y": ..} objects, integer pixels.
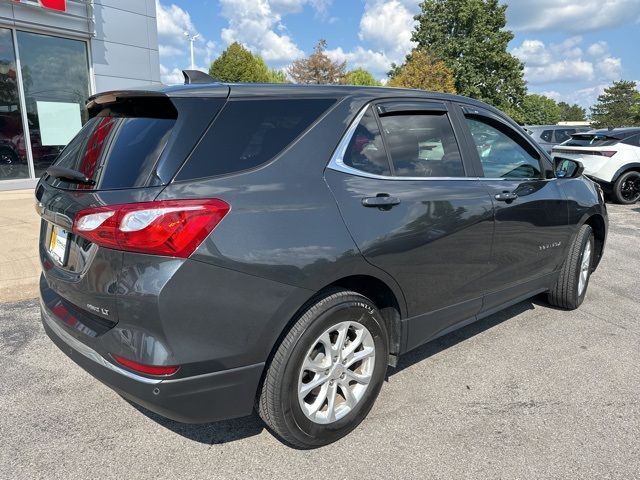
[{"x": 191, "y": 40}]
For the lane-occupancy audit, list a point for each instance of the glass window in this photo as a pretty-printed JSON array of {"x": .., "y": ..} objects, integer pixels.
[
  {"x": 547, "y": 135},
  {"x": 249, "y": 133},
  {"x": 422, "y": 145},
  {"x": 13, "y": 154},
  {"x": 120, "y": 147},
  {"x": 501, "y": 156},
  {"x": 591, "y": 139},
  {"x": 366, "y": 151},
  {"x": 55, "y": 74},
  {"x": 633, "y": 140},
  {"x": 565, "y": 134}
]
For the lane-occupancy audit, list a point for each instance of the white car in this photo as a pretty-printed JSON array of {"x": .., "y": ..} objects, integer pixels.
[{"x": 610, "y": 157}]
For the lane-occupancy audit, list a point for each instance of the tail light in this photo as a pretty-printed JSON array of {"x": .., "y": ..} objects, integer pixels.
[
  {"x": 168, "y": 227},
  {"x": 607, "y": 153},
  {"x": 158, "y": 370}
]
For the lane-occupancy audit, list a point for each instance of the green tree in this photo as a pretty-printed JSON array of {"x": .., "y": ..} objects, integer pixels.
[
  {"x": 469, "y": 36},
  {"x": 360, "y": 76},
  {"x": 572, "y": 113},
  {"x": 422, "y": 70},
  {"x": 618, "y": 106},
  {"x": 317, "y": 67},
  {"x": 237, "y": 64},
  {"x": 277, "y": 76},
  {"x": 537, "y": 110}
]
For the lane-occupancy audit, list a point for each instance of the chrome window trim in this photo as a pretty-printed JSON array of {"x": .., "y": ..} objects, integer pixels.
[{"x": 337, "y": 160}]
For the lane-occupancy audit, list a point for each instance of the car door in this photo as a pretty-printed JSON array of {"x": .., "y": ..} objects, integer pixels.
[
  {"x": 531, "y": 212},
  {"x": 415, "y": 210}
]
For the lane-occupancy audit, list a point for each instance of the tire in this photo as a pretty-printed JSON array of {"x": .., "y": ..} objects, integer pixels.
[
  {"x": 626, "y": 190},
  {"x": 570, "y": 290},
  {"x": 279, "y": 403}
]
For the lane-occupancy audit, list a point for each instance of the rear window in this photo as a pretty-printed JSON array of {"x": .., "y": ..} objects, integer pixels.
[
  {"x": 590, "y": 140},
  {"x": 120, "y": 146},
  {"x": 249, "y": 133}
]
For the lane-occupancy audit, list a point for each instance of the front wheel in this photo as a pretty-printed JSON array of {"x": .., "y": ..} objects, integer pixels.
[
  {"x": 571, "y": 287},
  {"x": 626, "y": 190},
  {"x": 327, "y": 372}
]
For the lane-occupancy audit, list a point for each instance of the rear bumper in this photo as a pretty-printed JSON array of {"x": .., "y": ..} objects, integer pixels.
[{"x": 197, "y": 399}]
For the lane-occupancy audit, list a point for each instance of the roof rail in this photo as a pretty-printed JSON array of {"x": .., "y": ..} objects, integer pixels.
[{"x": 196, "y": 76}]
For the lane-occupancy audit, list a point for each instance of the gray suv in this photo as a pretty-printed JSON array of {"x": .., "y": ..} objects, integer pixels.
[
  {"x": 211, "y": 248},
  {"x": 549, "y": 135}
]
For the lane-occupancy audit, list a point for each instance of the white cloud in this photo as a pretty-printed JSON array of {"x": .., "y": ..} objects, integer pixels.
[
  {"x": 388, "y": 25},
  {"x": 253, "y": 23},
  {"x": 171, "y": 76},
  {"x": 598, "y": 49},
  {"x": 609, "y": 68},
  {"x": 571, "y": 15},
  {"x": 533, "y": 53},
  {"x": 566, "y": 61},
  {"x": 553, "y": 94},
  {"x": 173, "y": 22},
  {"x": 359, "y": 57}
]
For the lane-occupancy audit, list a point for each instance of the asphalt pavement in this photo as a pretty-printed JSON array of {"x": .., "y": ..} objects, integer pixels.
[{"x": 529, "y": 393}]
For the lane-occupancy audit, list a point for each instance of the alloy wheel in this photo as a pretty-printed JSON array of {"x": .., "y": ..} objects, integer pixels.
[
  {"x": 585, "y": 267},
  {"x": 336, "y": 372},
  {"x": 630, "y": 189}
]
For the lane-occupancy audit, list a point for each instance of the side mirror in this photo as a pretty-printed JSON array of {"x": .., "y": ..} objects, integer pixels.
[{"x": 567, "y": 168}]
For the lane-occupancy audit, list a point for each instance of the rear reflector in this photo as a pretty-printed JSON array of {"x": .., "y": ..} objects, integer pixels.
[
  {"x": 147, "y": 369},
  {"x": 167, "y": 227}
]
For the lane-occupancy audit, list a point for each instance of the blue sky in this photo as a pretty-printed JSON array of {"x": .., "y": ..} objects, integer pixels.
[{"x": 572, "y": 49}]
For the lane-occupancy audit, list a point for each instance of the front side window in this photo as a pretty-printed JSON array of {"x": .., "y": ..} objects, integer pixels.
[
  {"x": 422, "y": 145},
  {"x": 500, "y": 154},
  {"x": 366, "y": 151}
]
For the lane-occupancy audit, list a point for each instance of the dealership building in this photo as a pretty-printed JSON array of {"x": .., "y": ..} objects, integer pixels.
[{"x": 54, "y": 54}]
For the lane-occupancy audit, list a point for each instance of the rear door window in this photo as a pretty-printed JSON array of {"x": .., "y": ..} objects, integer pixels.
[
  {"x": 249, "y": 133},
  {"x": 365, "y": 151},
  {"x": 422, "y": 145}
]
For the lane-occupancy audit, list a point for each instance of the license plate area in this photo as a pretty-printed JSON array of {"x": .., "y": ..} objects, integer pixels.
[{"x": 58, "y": 244}]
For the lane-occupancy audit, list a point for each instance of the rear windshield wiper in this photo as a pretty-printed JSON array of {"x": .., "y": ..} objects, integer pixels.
[{"x": 69, "y": 175}]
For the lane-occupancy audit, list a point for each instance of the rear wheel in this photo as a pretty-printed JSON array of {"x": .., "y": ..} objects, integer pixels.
[
  {"x": 626, "y": 190},
  {"x": 327, "y": 372},
  {"x": 571, "y": 286}
]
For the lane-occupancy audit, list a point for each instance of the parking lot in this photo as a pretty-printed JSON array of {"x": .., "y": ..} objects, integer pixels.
[{"x": 531, "y": 392}]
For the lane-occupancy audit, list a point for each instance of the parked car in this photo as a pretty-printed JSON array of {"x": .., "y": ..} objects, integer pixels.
[
  {"x": 211, "y": 248},
  {"x": 610, "y": 157},
  {"x": 549, "y": 135}
]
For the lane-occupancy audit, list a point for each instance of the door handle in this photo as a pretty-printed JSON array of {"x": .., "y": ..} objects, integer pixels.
[
  {"x": 382, "y": 200},
  {"x": 506, "y": 196}
]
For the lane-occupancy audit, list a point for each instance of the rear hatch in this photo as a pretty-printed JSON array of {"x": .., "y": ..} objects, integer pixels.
[
  {"x": 592, "y": 149},
  {"x": 131, "y": 147}
]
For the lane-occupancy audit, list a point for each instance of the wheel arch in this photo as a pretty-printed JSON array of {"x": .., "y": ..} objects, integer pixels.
[
  {"x": 599, "y": 227},
  {"x": 633, "y": 166}
]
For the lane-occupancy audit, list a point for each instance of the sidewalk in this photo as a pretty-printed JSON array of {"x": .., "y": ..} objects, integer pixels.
[{"x": 19, "y": 230}]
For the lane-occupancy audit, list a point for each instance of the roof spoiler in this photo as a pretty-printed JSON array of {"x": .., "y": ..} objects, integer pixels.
[{"x": 196, "y": 76}]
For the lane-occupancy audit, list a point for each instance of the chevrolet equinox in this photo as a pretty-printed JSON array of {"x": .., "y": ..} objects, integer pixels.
[{"x": 212, "y": 248}]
